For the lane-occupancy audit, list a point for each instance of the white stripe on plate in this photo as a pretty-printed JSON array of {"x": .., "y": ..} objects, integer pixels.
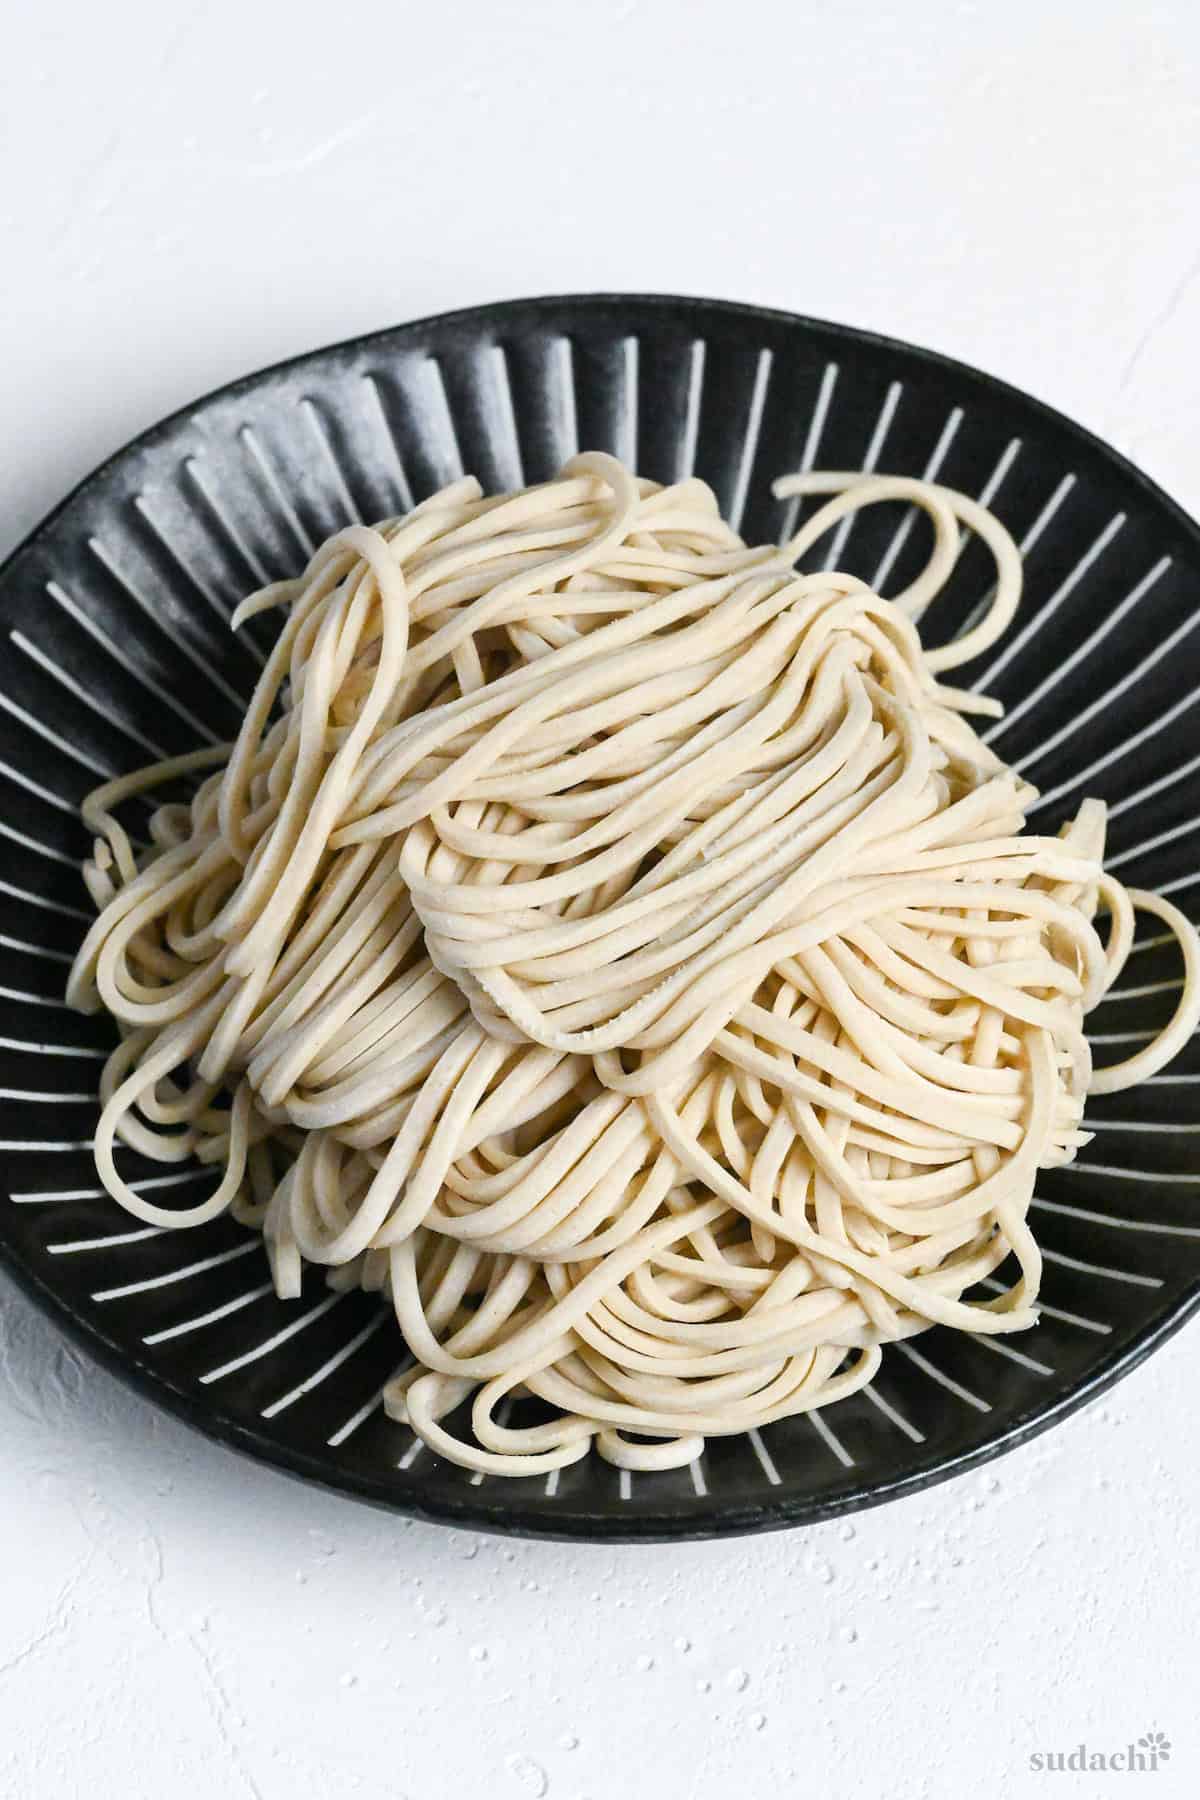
[
  {"x": 248, "y": 439},
  {"x": 58, "y": 956},
  {"x": 1161, "y": 1126},
  {"x": 1074, "y": 1318},
  {"x": 259, "y": 574},
  {"x": 1152, "y": 943},
  {"x": 28, "y": 999},
  {"x": 38, "y": 848},
  {"x": 1082, "y": 1168},
  {"x": 1147, "y": 987},
  {"x": 946, "y": 1381},
  {"x": 328, "y": 1367},
  {"x": 1025, "y": 546},
  {"x": 80, "y": 693},
  {"x": 567, "y": 420},
  {"x": 689, "y": 437},
  {"x": 7, "y": 1043},
  {"x": 152, "y": 686},
  {"x": 355, "y": 1420},
  {"x": 104, "y": 770},
  {"x": 104, "y": 1243},
  {"x": 47, "y": 906},
  {"x": 986, "y": 495},
  {"x": 99, "y": 1193},
  {"x": 272, "y": 1343},
  {"x": 766, "y": 1461},
  {"x": 312, "y": 413},
  {"x": 221, "y": 608},
  {"x": 1159, "y": 723},
  {"x": 210, "y": 1318},
  {"x": 835, "y": 1444},
  {"x": 45, "y": 1096},
  {"x": 400, "y": 479},
  {"x": 70, "y": 807},
  {"x": 627, "y": 414},
  {"x": 928, "y": 473},
  {"x": 988, "y": 491},
  {"x": 891, "y": 401},
  {"x": 1152, "y": 843},
  {"x": 173, "y": 1275},
  {"x": 58, "y": 1146},
  {"x": 196, "y": 657},
  {"x": 438, "y": 409},
  {"x": 1018, "y": 1356},
  {"x": 1142, "y": 794},
  {"x": 893, "y": 1413},
  {"x": 1081, "y": 651},
  {"x": 503, "y": 423},
  {"x": 1118, "y": 1224},
  {"x": 812, "y": 444},
  {"x": 758, "y": 402},
  {"x": 1056, "y": 1312},
  {"x": 1042, "y": 617},
  {"x": 1091, "y": 1268}
]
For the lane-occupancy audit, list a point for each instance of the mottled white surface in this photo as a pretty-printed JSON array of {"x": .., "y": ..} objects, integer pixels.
[{"x": 192, "y": 190}]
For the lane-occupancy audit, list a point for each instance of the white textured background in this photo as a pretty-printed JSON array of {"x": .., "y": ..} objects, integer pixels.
[{"x": 190, "y": 190}]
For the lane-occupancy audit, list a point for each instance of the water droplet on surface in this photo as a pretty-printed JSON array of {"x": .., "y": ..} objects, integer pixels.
[
  {"x": 569, "y": 1741},
  {"x": 531, "y": 1775},
  {"x": 645, "y": 1662},
  {"x": 848, "y": 1634},
  {"x": 738, "y": 1680},
  {"x": 848, "y": 1533},
  {"x": 703, "y": 1686},
  {"x": 349, "y": 1679},
  {"x": 683, "y": 1645},
  {"x": 757, "y": 1721},
  {"x": 478, "y": 1653}
]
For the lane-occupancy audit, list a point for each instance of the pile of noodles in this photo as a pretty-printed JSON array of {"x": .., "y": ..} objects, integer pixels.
[{"x": 620, "y": 951}]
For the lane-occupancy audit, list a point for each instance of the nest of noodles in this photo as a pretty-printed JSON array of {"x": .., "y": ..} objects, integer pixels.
[{"x": 619, "y": 950}]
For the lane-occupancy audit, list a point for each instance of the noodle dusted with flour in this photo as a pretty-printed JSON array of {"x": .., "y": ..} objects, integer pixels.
[{"x": 619, "y": 950}]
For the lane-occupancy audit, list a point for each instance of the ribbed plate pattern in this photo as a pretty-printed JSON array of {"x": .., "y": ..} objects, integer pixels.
[{"x": 114, "y": 648}]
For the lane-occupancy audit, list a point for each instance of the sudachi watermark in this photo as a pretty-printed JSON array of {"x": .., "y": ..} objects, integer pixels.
[{"x": 1147, "y": 1753}]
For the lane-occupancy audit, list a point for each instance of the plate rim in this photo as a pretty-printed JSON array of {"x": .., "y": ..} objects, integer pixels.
[
  {"x": 670, "y": 1523},
  {"x": 674, "y": 1521}
]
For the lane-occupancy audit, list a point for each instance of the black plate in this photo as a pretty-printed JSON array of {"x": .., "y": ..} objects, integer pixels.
[{"x": 115, "y": 648}]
